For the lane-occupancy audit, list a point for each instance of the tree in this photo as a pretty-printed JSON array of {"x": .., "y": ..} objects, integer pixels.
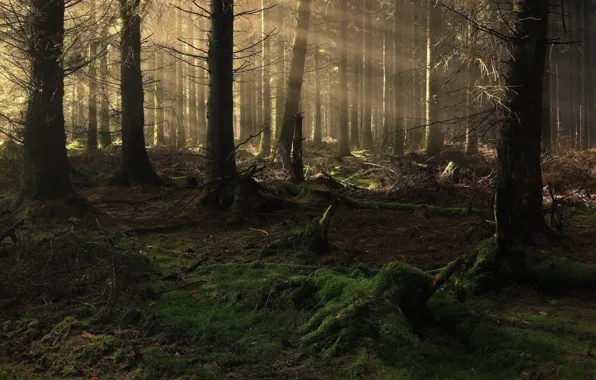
[
  {"x": 221, "y": 162},
  {"x": 518, "y": 209},
  {"x": 344, "y": 131},
  {"x": 265, "y": 148},
  {"x": 318, "y": 128},
  {"x": 398, "y": 53},
  {"x": 105, "y": 137},
  {"x": 367, "y": 46},
  {"x": 135, "y": 167},
  {"x": 92, "y": 104},
  {"x": 284, "y": 147},
  {"x": 46, "y": 173},
  {"x": 179, "y": 97},
  {"x": 434, "y": 138}
]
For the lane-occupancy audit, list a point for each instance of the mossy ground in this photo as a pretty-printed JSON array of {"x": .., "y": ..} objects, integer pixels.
[{"x": 218, "y": 304}]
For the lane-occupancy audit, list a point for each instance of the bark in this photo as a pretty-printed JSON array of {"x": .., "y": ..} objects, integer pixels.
[
  {"x": 265, "y": 148},
  {"x": 46, "y": 167},
  {"x": 135, "y": 168},
  {"x": 344, "y": 131},
  {"x": 587, "y": 103},
  {"x": 518, "y": 208},
  {"x": 280, "y": 71},
  {"x": 192, "y": 89},
  {"x": 471, "y": 75},
  {"x": 398, "y": 54},
  {"x": 297, "y": 175},
  {"x": 318, "y": 131},
  {"x": 221, "y": 161},
  {"x": 92, "y": 104},
  {"x": 284, "y": 147},
  {"x": 367, "y": 137},
  {"x": 355, "y": 121},
  {"x": 159, "y": 137},
  {"x": 433, "y": 130},
  {"x": 105, "y": 137},
  {"x": 180, "y": 99},
  {"x": 387, "y": 116}
]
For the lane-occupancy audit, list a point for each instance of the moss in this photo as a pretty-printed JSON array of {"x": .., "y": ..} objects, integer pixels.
[
  {"x": 559, "y": 274},
  {"x": 426, "y": 210},
  {"x": 405, "y": 286}
]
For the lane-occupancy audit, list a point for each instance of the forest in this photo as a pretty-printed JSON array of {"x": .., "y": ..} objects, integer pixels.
[{"x": 310, "y": 189}]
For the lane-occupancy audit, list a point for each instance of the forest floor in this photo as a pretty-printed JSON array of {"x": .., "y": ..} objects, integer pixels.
[{"x": 158, "y": 286}]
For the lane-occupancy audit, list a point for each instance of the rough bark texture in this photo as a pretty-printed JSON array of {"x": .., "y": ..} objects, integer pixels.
[
  {"x": 105, "y": 137},
  {"x": 434, "y": 138},
  {"x": 518, "y": 208},
  {"x": 135, "y": 168},
  {"x": 46, "y": 166},
  {"x": 159, "y": 137},
  {"x": 318, "y": 132},
  {"x": 284, "y": 147},
  {"x": 344, "y": 129},
  {"x": 297, "y": 175},
  {"x": 367, "y": 137},
  {"x": 92, "y": 104},
  {"x": 265, "y": 147},
  {"x": 221, "y": 161},
  {"x": 397, "y": 79}
]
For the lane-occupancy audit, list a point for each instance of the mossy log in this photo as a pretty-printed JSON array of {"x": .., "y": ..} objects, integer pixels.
[{"x": 427, "y": 210}]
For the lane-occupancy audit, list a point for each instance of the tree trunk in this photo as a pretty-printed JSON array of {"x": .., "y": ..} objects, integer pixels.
[
  {"x": 284, "y": 147},
  {"x": 518, "y": 208},
  {"x": 367, "y": 137},
  {"x": 355, "y": 115},
  {"x": 159, "y": 137},
  {"x": 92, "y": 111},
  {"x": 398, "y": 54},
  {"x": 265, "y": 148},
  {"x": 135, "y": 167},
  {"x": 471, "y": 75},
  {"x": 192, "y": 89},
  {"x": 105, "y": 137},
  {"x": 46, "y": 166},
  {"x": 92, "y": 106},
  {"x": 587, "y": 82},
  {"x": 318, "y": 131},
  {"x": 297, "y": 174},
  {"x": 280, "y": 72},
  {"x": 221, "y": 162},
  {"x": 180, "y": 99},
  {"x": 344, "y": 131},
  {"x": 433, "y": 129}
]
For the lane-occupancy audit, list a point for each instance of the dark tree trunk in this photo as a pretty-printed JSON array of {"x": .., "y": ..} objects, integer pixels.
[
  {"x": 135, "y": 167},
  {"x": 367, "y": 137},
  {"x": 344, "y": 128},
  {"x": 518, "y": 208},
  {"x": 221, "y": 161},
  {"x": 180, "y": 99},
  {"x": 159, "y": 137},
  {"x": 297, "y": 173},
  {"x": 355, "y": 122},
  {"x": 105, "y": 137},
  {"x": 284, "y": 147},
  {"x": 318, "y": 132},
  {"x": 46, "y": 166},
  {"x": 587, "y": 86},
  {"x": 396, "y": 76},
  {"x": 92, "y": 110},
  {"x": 265, "y": 148},
  {"x": 434, "y": 138}
]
